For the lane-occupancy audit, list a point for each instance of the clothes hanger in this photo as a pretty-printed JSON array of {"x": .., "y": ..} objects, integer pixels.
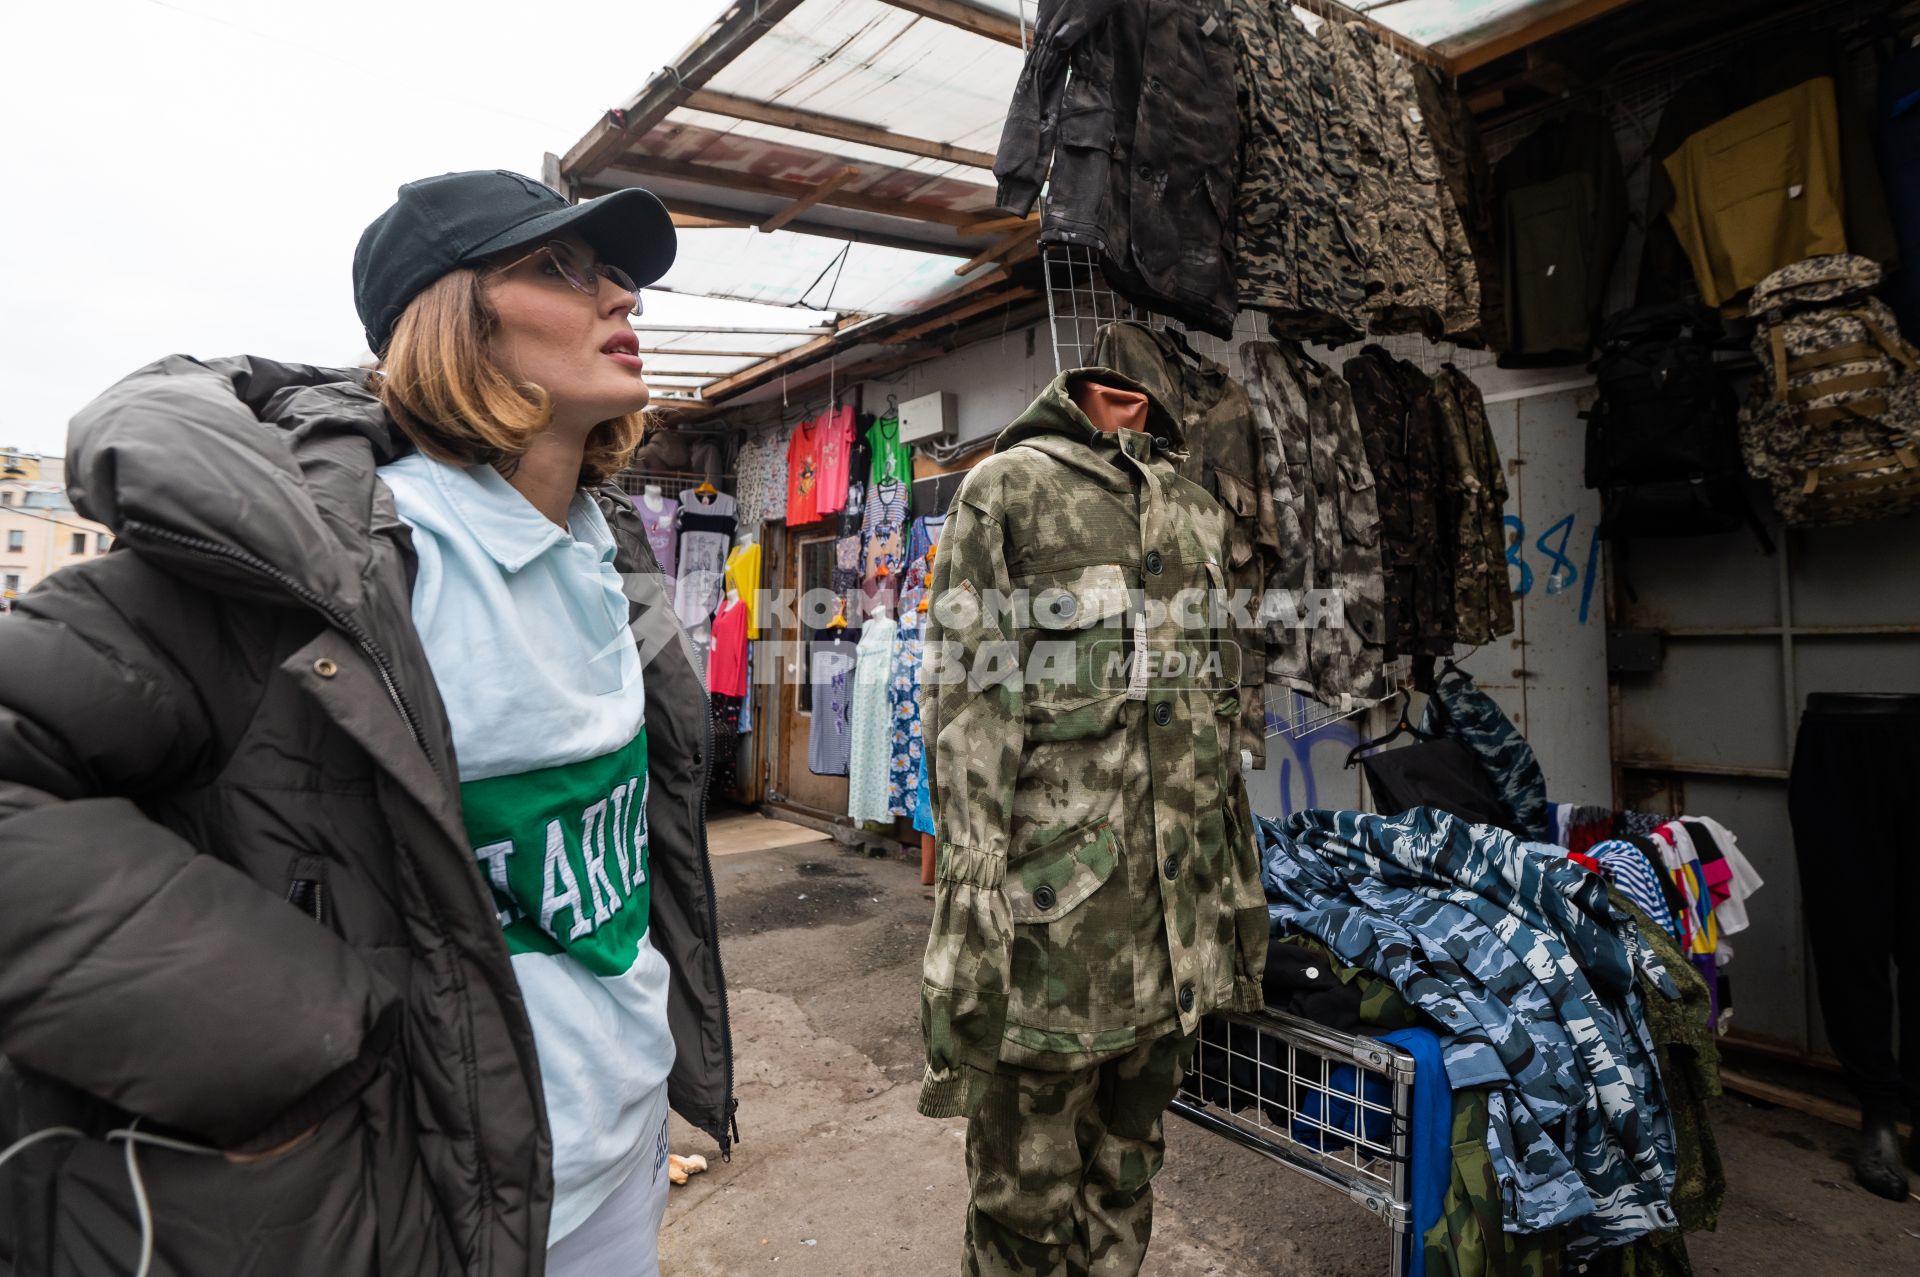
[
  {"x": 839, "y": 621},
  {"x": 1404, "y": 727},
  {"x": 706, "y": 489}
]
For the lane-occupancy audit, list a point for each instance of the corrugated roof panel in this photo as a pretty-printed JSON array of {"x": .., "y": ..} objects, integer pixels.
[
  {"x": 782, "y": 268},
  {"x": 871, "y": 62}
]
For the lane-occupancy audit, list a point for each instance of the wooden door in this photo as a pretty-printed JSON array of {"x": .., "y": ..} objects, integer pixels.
[{"x": 807, "y": 565}]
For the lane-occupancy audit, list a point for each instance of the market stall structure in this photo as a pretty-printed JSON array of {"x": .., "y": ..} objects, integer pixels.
[{"x": 835, "y": 156}]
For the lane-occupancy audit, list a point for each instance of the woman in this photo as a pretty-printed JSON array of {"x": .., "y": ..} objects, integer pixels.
[{"x": 352, "y": 822}]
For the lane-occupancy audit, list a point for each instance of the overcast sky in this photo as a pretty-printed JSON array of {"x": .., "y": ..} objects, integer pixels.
[{"x": 192, "y": 175}]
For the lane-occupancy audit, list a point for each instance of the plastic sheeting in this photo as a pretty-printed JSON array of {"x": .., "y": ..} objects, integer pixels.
[
  {"x": 866, "y": 61},
  {"x": 782, "y": 268}
]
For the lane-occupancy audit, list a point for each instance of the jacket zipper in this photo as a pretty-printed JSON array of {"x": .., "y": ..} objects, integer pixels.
[
  {"x": 368, "y": 645},
  {"x": 729, "y": 1125}
]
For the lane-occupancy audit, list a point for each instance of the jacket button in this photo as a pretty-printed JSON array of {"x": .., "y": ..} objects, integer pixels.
[
  {"x": 1162, "y": 443},
  {"x": 1186, "y": 997},
  {"x": 1145, "y": 171},
  {"x": 1171, "y": 867},
  {"x": 1043, "y": 897},
  {"x": 1163, "y": 713},
  {"x": 1065, "y": 606},
  {"x": 698, "y": 757},
  {"x": 325, "y": 668},
  {"x": 1154, "y": 562}
]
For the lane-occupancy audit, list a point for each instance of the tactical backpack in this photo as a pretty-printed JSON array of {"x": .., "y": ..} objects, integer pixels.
[
  {"x": 1663, "y": 442},
  {"x": 1833, "y": 423}
]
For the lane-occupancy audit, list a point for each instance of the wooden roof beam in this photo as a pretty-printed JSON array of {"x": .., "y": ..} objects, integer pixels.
[
  {"x": 957, "y": 13},
  {"x": 748, "y": 183},
  {"x": 833, "y": 126},
  {"x": 999, "y": 248},
  {"x": 820, "y": 192},
  {"x": 1552, "y": 24},
  {"x": 724, "y": 217},
  {"x": 975, "y": 307},
  {"x": 731, "y": 33}
]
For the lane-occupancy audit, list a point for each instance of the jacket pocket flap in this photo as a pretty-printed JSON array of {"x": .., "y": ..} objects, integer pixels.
[
  {"x": 1092, "y": 129},
  {"x": 1059, "y": 878},
  {"x": 1076, "y": 600}
]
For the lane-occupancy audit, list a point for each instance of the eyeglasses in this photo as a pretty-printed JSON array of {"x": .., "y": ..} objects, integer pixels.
[{"x": 578, "y": 271}]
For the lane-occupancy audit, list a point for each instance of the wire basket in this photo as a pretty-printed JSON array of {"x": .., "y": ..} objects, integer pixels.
[{"x": 1332, "y": 1106}]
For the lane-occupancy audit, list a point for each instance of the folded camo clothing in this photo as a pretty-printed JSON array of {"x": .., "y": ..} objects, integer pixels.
[{"x": 1518, "y": 955}]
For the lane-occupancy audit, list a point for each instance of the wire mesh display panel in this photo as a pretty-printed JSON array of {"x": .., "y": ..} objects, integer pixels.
[{"x": 1332, "y": 1106}]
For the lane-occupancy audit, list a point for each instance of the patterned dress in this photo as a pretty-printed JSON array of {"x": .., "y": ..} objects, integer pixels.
[
  {"x": 869, "y": 762},
  {"x": 907, "y": 770},
  {"x": 760, "y": 480}
]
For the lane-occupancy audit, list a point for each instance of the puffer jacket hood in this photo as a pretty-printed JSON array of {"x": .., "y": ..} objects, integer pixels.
[{"x": 220, "y": 452}]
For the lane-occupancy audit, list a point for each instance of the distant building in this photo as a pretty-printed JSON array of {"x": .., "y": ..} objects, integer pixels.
[{"x": 39, "y": 532}]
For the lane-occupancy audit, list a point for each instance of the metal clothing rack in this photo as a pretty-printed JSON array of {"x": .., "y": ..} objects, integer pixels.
[
  {"x": 634, "y": 482},
  {"x": 1293, "y": 1108}
]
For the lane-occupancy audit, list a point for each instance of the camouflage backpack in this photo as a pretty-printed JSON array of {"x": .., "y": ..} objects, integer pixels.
[{"x": 1833, "y": 423}]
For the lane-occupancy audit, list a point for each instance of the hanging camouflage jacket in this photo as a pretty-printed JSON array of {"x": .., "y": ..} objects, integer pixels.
[
  {"x": 1297, "y": 250},
  {"x": 1476, "y": 493},
  {"x": 1323, "y": 607},
  {"x": 1125, "y": 110},
  {"x": 1223, "y": 456},
  {"x": 1097, "y": 884},
  {"x": 1401, "y": 425}
]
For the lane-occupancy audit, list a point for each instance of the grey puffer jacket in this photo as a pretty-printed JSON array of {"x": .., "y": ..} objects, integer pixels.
[{"x": 239, "y": 898}]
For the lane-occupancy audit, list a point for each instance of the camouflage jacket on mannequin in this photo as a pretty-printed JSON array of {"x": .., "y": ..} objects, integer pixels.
[{"x": 1097, "y": 884}]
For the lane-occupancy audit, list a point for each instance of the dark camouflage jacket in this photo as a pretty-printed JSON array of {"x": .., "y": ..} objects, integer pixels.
[
  {"x": 1097, "y": 884},
  {"x": 1137, "y": 146}
]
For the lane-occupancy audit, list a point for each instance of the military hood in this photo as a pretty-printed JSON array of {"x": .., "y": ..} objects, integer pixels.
[
  {"x": 246, "y": 476},
  {"x": 1053, "y": 412}
]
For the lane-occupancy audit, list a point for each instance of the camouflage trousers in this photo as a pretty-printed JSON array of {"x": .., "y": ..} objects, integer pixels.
[{"x": 1062, "y": 1165}]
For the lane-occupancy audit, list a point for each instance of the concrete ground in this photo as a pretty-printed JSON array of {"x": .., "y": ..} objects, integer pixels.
[{"x": 836, "y": 1174}]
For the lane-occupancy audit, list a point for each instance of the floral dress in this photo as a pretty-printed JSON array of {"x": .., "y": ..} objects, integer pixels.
[{"x": 903, "y": 704}]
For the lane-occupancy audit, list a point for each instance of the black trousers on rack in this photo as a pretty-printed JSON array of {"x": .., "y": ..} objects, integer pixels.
[{"x": 1851, "y": 796}]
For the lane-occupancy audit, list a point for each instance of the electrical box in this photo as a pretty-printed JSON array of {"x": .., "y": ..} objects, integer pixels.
[{"x": 928, "y": 417}]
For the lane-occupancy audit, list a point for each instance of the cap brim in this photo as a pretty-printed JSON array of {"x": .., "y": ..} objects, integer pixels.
[{"x": 630, "y": 229}]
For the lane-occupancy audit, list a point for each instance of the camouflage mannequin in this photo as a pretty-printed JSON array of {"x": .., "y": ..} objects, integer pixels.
[{"x": 1098, "y": 888}]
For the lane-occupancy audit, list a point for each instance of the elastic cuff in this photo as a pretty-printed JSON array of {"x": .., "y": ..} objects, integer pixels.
[
  {"x": 971, "y": 866},
  {"x": 954, "y": 1092}
]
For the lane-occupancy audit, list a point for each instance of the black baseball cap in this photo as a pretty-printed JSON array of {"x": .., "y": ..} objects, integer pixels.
[{"x": 438, "y": 223}]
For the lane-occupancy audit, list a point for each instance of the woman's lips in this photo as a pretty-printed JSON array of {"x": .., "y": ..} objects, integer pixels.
[{"x": 625, "y": 360}]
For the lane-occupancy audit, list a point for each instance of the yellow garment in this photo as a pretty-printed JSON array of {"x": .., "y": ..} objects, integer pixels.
[
  {"x": 1760, "y": 190},
  {"x": 743, "y": 578}
]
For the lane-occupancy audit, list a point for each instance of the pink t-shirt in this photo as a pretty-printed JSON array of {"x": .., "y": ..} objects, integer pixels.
[
  {"x": 727, "y": 661},
  {"x": 836, "y": 453},
  {"x": 803, "y": 474}
]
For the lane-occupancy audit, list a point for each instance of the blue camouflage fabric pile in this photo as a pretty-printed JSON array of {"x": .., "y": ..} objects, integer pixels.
[{"x": 1519, "y": 958}]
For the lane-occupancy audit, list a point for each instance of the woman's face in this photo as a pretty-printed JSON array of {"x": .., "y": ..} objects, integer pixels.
[{"x": 579, "y": 349}]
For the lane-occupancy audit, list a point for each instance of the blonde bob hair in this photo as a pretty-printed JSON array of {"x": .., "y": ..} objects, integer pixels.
[{"x": 447, "y": 395}]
